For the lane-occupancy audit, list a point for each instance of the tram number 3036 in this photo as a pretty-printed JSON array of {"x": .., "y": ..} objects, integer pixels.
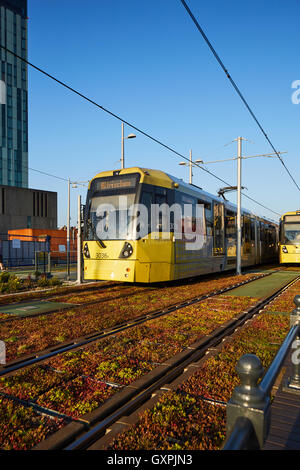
[{"x": 101, "y": 255}]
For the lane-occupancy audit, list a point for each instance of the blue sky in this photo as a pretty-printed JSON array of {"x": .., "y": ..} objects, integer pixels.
[{"x": 146, "y": 62}]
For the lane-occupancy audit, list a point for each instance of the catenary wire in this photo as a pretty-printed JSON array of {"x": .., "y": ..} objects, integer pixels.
[
  {"x": 126, "y": 122},
  {"x": 236, "y": 88}
]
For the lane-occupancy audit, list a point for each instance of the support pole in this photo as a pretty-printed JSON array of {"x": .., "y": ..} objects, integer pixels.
[
  {"x": 68, "y": 233},
  {"x": 191, "y": 168},
  {"x": 79, "y": 267},
  {"x": 122, "y": 148},
  {"x": 239, "y": 229}
]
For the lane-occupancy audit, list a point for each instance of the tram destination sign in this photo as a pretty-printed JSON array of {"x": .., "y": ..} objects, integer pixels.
[
  {"x": 115, "y": 183},
  {"x": 292, "y": 218}
]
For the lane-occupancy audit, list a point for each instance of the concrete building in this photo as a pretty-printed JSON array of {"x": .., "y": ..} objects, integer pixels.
[
  {"x": 13, "y": 94},
  {"x": 22, "y": 208}
]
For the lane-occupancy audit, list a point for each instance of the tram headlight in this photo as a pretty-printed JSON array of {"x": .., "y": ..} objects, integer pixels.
[
  {"x": 127, "y": 250},
  {"x": 284, "y": 249},
  {"x": 86, "y": 251}
]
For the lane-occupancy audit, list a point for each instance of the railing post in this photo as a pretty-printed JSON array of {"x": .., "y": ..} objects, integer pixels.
[
  {"x": 249, "y": 401},
  {"x": 293, "y": 383}
]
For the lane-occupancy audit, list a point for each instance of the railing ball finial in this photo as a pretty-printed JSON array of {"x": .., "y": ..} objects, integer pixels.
[
  {"x": 249, "y": 370},
  {"x": 297, "y": 302}
]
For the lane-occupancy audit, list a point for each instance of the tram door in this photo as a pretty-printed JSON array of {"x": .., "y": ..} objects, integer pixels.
[{"x": 218, "y": 232}]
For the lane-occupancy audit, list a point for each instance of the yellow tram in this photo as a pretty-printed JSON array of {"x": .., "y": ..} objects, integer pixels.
[
  {"x": 289, "y": 238},
  {"x": 147, "y": 226}
]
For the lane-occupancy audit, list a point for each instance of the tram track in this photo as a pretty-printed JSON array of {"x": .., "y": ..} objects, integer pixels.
[
  {"x": 141, "y": 390},
  {"x": 130, "y": 290},
  {"x": 77, "y": 343},
  {"x": 73, "y": 306},
  {"x": 42, "y": 294},
  {"x": 93, "y": 429}
]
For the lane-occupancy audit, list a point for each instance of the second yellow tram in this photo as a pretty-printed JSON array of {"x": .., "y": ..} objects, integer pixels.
[{"x": 289, "y": 238}]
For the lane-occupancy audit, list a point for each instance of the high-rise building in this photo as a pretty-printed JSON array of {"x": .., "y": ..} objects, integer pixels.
[{"x": 13, "y": 94}]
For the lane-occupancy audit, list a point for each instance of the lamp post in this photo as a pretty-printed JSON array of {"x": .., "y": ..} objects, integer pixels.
[
  {"x": 130, "y": 136},
  {"x": 190, "y": 164}
]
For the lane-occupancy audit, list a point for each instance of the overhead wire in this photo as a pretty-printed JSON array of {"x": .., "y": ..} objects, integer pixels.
[
  {"x": 217, "y": 57},
  {"x": 73, "y": 90}
]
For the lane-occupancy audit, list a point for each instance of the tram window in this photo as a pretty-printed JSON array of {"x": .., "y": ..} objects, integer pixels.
[
  {"x": 252, "y": 229},
  {"x": 218, "y": 229},
  {"x": 230, "y": 224},
  {"x": 262, "y": 232},
  {"x": 209, "y": 225},
  {"x": 160, "y": 199},
  {"x": 208, "y": 217},
  {"x": 246, "y": 229},
  {"x": 281, "y": 232},
  {"x": 273, "y": 235},
  {"x": 186, "y": 200},
  {"x": 207, "y": 205},
  {"x": 147, "y": 201},
  {"x": 291, "y": 234}
]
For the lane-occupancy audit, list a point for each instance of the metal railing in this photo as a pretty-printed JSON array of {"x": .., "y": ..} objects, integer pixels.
[{"x": 249, "y": 409}]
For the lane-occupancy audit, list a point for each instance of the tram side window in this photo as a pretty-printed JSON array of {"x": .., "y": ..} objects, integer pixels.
[
  {"x": 147, "y": 201},
  {"x": 230, "y": 225},
  {"x": 247, "y": 234},
  {"x": 246, "y": 229},
  {"x": 218, "y": 229},
  {"x": 208, "y": 216},
  {"x": 188, "y": 210},
  {"x": 262, "y": 232},
  {"x": 281, "y": 232},
  {"x": 272, "y": 236},
  {"x": 160, "y": 199},
  {"x": 253, "y": 230}
]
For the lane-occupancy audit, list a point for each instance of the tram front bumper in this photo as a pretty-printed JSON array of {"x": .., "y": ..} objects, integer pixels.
[{"x": 109, "y": 270}]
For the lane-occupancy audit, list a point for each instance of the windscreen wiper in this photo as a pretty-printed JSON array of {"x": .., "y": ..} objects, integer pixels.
[{"x": 97, "y": 239}]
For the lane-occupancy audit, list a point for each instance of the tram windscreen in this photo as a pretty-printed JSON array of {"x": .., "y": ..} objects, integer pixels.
[
  {"x": 291, "y": 233},
  {"x": 108, "y": 204}
]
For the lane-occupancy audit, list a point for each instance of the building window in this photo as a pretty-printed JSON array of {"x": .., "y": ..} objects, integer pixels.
[
  {"x": 3, "y": 201},
  {"x": 33, "y": 204}
]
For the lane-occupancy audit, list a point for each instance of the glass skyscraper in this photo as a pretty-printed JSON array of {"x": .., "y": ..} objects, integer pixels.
[{"x": 13, "y": 94}]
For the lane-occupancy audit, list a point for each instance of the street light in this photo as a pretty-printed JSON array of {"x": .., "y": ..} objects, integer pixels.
[
  {"x": 130, "y": 136},
  {"x": 190, "y": 164}
]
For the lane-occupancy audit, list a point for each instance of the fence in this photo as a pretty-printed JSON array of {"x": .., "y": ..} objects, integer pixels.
[
  {"x": 17, "y": 253},
  {"x": 19, "y": 249},
  {"x": 248, "y": 410}
]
